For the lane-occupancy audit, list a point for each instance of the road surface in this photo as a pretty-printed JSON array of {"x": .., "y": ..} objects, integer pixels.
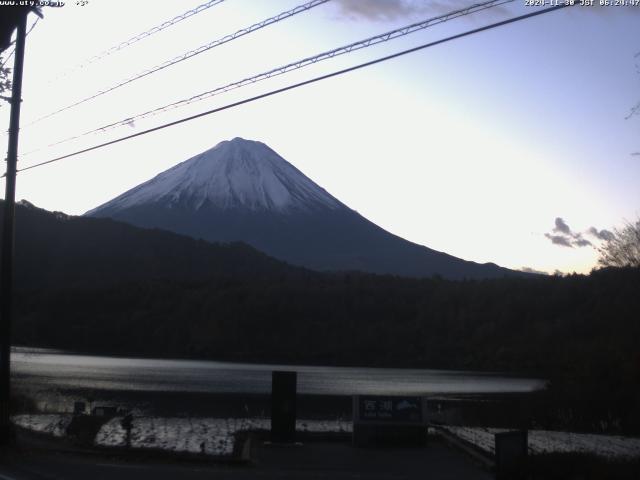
[{"x": 335, "y": 460}]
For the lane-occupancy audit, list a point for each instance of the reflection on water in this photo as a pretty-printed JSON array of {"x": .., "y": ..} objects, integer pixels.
[{"x": 66, "y": 371}]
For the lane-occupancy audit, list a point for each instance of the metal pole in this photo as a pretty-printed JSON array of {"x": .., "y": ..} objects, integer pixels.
[{"x": 6, "y": 276}]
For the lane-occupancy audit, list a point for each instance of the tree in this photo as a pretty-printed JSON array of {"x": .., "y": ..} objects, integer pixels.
[
  {"x": 622, "y": 249},
  {"x": 5, "y": 82}
]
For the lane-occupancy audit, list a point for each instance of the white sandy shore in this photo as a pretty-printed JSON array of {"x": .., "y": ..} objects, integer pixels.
[
  {"x": 216, "y": 436},
  {"x": 210, "y": 436},
  {"x": 545, "y": 441}
]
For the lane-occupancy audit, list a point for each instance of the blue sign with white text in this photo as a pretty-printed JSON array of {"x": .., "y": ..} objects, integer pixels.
[{"x": 390, "y": 409}]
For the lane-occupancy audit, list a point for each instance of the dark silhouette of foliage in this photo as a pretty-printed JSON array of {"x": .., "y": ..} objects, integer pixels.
[{"x": 5, "y": 85}]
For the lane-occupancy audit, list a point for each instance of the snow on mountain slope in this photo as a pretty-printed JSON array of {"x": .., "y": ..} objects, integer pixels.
[{"x": 234, "y": 174}]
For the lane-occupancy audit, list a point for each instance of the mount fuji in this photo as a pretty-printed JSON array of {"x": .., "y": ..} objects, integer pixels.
[{"x": 242, "y": 190}]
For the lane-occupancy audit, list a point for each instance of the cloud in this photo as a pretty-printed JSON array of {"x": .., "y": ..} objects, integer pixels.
[
  {"x": 562, "y": 227},
  {"x": 563, "y": 235},
  {"x": 581, "y": 242},
  {"x": 605, "y": 9},
  {"x": 566, "y": 237},
  {"x": 380, "y": 10},
  {"x": 600, "y": 234},
  {"x": 533, "y": 270},
  {"x": 601, "y": 10},
  {"x": 559, "y": 240}
]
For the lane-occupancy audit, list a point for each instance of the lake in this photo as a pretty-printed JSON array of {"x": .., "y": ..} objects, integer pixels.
[{"x": 40, "y": 369}]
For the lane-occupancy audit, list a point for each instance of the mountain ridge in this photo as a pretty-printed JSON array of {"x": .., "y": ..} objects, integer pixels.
[
  {"x": 57, "y": 250},
  {"x": 242, "y": 190}
]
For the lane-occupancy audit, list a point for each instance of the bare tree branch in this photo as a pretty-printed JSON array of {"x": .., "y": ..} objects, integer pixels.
[{"x": 623, "y": 249}]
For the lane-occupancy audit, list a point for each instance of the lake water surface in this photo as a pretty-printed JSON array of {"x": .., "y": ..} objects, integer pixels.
[{"x": 60, "y": 370}]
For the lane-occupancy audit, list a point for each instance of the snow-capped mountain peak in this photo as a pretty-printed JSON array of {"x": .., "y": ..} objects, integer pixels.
[
  {"x": 237, "y": 173},
  {"x": 242, "y": 190}
]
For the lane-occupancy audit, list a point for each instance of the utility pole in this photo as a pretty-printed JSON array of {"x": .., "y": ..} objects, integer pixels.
[{"x": 6, "y": 276}]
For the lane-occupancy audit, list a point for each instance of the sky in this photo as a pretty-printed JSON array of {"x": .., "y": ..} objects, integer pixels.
[{"x": 511, "y": 146}]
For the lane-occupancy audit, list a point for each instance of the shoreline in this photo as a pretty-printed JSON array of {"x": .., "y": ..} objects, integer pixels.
[{"x": 504, "y": 409}]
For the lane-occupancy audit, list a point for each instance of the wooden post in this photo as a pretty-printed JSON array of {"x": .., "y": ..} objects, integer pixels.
[{"x": 6, "y": 275}]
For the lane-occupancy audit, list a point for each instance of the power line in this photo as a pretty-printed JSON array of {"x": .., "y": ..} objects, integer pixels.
[
  {"x": 384, "y": 37},
  {"x": 190, "y": 54},
  {"x": 301, "y": 84},
  {"x": 368, "y": 42},
  {"x": 141, "y": 36}
]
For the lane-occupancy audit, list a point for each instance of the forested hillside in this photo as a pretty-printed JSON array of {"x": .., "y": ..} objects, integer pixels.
[{"x": 100, "y": 286}]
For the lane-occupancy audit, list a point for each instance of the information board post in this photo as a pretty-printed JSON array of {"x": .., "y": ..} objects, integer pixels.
[
  {"x": 283, "y": 407},
  {"x": 511, "y": 452}
]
